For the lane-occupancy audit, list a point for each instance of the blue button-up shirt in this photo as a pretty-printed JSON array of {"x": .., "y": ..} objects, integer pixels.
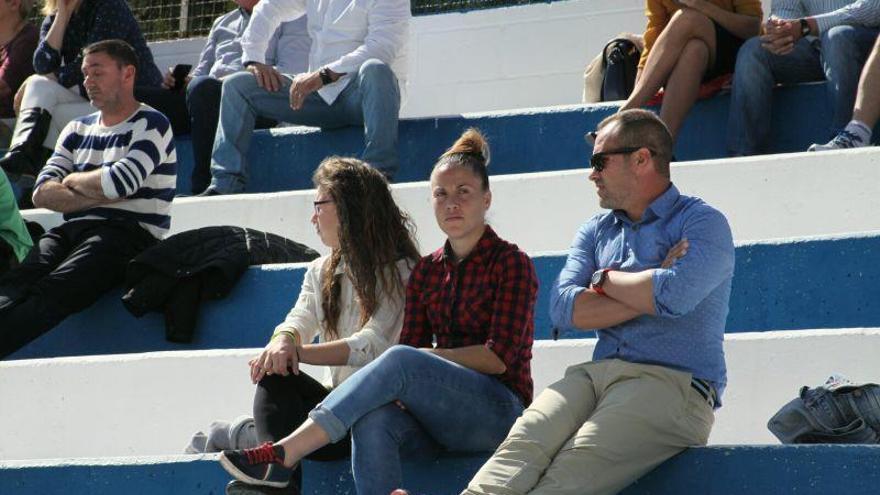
[
  {"x": 691, "y": 297},
  {"x": 288, "y": 47}
]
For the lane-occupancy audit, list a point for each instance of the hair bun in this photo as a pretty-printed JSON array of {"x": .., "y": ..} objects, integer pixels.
[{"x": 471, "y": 142}]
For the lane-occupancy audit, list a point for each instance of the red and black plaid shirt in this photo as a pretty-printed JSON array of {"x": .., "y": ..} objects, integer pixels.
[{"x": 486, "y": 299}]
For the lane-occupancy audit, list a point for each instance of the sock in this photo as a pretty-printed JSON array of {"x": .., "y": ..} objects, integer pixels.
[{"x": 860, "y": 130}]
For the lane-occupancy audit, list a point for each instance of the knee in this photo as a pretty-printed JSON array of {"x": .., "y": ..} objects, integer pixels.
[
  {"x": 239, "y": 83},
  {"x": 838, "y": 41},
  {"x": 401, "y": 355},
  {"x": 37, "y": 85},
  {"x": 688, "y": 21},
  {"x": 375, "y": 71},
  {"x": 202, "y": 88},
  {"x": 751, "y": 56}
]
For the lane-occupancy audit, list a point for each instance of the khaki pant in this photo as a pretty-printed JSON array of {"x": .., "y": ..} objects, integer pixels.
[{"x": 596, "y": 431}]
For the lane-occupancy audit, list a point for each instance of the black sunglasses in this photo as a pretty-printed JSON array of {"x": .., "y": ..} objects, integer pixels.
[{"x": 597, "y": 161}]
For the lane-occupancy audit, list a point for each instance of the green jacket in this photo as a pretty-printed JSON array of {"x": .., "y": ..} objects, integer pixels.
[{"x": 12, "y": 228}]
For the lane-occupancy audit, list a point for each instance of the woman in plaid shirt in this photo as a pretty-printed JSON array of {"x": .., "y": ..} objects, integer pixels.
[{"x": 461, "y": 375}]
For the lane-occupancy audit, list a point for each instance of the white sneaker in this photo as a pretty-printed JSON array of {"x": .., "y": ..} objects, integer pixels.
[{"x": 843, "y": 140}]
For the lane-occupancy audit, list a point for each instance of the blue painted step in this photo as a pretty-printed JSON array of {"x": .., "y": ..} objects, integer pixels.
[
  {"x": 532, "y": 140},
  {"x": 717, "y": 470},
  {"x": 820, "y": 283}
]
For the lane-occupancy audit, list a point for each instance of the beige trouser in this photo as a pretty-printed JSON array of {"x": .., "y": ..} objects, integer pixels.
[
  {"x": 64, "y": 104},
  {"x": 597, "y": 430}
]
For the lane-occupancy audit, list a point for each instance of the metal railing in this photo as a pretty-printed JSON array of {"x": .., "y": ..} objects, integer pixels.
[{"x": 172, "y": 19}]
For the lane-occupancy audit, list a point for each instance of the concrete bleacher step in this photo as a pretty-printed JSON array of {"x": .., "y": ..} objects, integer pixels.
[
  {"x": 763, "y": 197},
  {"x": 524, "y": 140},
  {"x": 722, "y": 470},
  {"x": 799, "y": 283},
  {"x": 152, "y": 403}
]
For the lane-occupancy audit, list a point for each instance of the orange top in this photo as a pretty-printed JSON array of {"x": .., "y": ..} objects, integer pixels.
[{"x": 659, "y": 12}]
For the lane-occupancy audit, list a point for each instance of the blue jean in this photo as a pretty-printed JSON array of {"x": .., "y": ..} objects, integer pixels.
[
  {"x": 448, "y": 407},
  {"x": 203, "y": 104},
  {"x": 820, "y": 415},
  {"x": 837, "y": 56},
  {"x": 371, "y": 99}
]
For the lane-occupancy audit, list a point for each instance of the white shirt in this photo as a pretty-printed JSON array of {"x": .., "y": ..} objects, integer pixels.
[
  {"x": 344, "y": 33},
  {"x": 365, "y": 343}
]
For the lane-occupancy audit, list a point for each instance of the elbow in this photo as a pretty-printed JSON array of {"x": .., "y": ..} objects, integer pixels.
[
  {"x": 671, "y": 308},
  {"x": 39, "y": 198}
]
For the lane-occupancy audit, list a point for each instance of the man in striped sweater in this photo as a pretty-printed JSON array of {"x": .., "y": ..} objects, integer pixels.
[
  {"x": 803, "y": 41},
  {"x": 113, "y": 176}
]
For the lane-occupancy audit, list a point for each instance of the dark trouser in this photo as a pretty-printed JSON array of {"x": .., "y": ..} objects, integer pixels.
[
  {"x": 203, "y": 102},
  {"x": 71, "y": 266},
  {"x": 281, "y": 404},
  {"x": 171, "y": 103}
]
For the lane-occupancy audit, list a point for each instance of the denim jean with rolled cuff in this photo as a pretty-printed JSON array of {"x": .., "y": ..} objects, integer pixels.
[
  {"x": 371, "y": 99},
  {"x": 447, "y": 407},
  {"x": 837, "y": 56},
  {"x": 849, "y": 414}
]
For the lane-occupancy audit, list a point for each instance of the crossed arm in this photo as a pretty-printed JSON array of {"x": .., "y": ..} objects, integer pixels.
[{"x": 77, "y": 191}]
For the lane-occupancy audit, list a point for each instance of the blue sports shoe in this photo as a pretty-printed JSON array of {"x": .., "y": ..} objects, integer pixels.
[{"x": 263, "y": 465}]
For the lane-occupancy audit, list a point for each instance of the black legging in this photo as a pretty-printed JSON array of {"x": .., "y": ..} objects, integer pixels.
[{"x": 281, "y": 404}]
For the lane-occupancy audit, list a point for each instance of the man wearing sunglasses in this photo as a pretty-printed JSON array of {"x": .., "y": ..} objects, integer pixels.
[{"x": 652, "y": 277}]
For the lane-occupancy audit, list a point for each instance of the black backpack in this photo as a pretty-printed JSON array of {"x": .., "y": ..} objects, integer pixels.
[{"x": 620, "y": 59}]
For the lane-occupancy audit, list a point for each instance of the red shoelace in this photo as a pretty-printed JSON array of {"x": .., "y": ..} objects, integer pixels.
[{"x": 264, "y": 454}]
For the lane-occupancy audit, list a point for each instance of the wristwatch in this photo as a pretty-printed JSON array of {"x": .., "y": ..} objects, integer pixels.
[
  {"x": 326, "y": 78},
  {"x": 598, "y": 279},
  {"x": 805, "y": 28}
]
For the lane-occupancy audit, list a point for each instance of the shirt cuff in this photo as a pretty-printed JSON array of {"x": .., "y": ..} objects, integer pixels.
[
  {"x": 658, "y": 282},
  {"x": 568, "y": 300}
]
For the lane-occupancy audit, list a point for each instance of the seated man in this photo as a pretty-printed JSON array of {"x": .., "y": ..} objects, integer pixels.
[
  {"x": 18, "y": 40},
  {"x": 356, "y": 66},
  {"x": 804, "y": 41},
  {"x": 653, "y": 277},
  {"x": 288, "y": 52},
  {"x": 112, "y": 175},
  {"x": 866, "y": 111}
]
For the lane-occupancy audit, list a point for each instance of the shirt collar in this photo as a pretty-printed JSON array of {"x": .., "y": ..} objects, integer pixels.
[
  {"x": 659, "y": 208},
  {"x": 484, "y": 245}
]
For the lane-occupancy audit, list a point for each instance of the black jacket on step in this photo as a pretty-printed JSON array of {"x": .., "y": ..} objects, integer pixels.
[{"x": 175, "y": 275}]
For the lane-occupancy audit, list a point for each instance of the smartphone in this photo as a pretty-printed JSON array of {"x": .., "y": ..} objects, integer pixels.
[{"x": 179, "y": 74}]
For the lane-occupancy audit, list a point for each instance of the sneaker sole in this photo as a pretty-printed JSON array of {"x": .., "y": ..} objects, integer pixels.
[{"x": 240, "y": 476}]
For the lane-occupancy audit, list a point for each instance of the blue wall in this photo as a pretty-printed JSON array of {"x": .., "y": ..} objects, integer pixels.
[
  {"x": 794, "y": 285},
  {"x": 533, "y": 141},
  {"x": 752, "y": 470}
]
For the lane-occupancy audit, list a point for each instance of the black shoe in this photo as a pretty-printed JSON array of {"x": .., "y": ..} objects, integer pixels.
[
  {"x": 25, "y": 155},
  {"x": 236, "y": 487},
  {"x": 263, "y": 465}
]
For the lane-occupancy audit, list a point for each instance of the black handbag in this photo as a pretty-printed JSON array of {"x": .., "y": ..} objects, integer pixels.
[{"x": 620, "y": 59}]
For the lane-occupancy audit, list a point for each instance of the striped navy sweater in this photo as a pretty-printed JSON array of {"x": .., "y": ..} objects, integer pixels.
[{"x": 138, "y": 166}]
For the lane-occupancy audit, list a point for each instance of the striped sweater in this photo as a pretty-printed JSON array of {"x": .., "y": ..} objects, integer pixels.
[
  {"x": 830, "y": 13},
  {"x": 138, "y": 166}
]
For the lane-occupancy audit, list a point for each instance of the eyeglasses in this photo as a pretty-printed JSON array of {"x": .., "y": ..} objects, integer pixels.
[
  {"x": 598, "y": 160},
  {"x": 319, "y": 203}
]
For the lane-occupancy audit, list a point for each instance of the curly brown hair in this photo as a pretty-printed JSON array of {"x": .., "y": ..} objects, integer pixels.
[{"x": 373, "y": 235}]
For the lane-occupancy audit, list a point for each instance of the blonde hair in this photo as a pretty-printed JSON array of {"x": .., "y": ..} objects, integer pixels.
[
  {"x": 470, "y": 150},
  {"x": 49, "y": 6}
]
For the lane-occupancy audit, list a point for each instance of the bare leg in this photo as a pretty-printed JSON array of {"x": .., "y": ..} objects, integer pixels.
[
  {"x": 684, "y": 84},
  {"x": 306, "y": 439},
  {"x": 685, "y": 26},
  {"x": 867, "y": 108}
]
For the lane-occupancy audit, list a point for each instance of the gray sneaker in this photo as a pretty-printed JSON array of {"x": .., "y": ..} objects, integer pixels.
[{"x": 843, "y": 140}]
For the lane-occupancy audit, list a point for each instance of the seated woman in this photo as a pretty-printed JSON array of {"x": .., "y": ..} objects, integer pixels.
[
  {"x": 69, "y": 26},
  {"x": 688, "y": 42},
  {"x": 351, "y": 299},
  {"x": 18, "y": 40},
  {"x": 474, "y": 297}
]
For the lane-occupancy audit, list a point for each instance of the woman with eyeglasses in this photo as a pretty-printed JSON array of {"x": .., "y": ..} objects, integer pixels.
[
  {"x": 688, "y": 42},
  {"x": 461, "y": 375},
  {"x": 352, "y": 300}
]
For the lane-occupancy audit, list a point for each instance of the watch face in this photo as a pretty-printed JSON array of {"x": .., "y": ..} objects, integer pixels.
[{"x": 597, "y": 278}]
